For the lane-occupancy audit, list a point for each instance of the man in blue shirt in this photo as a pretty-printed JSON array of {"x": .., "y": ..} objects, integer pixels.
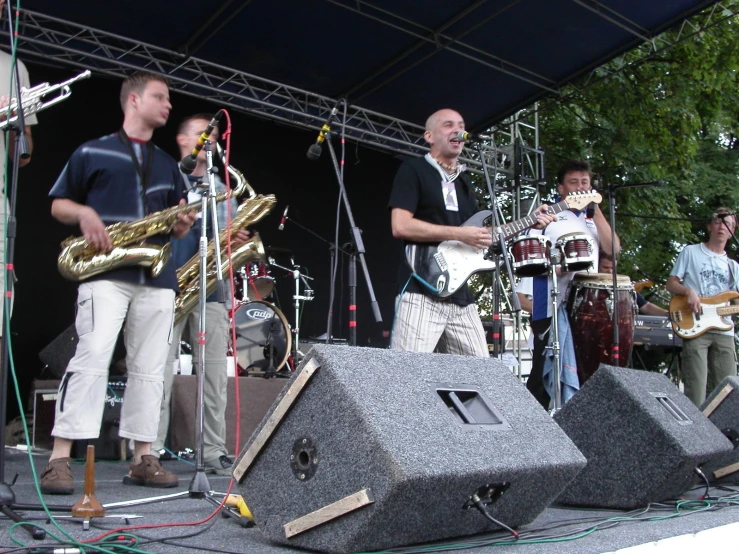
[{"x": 119, "y": 177}]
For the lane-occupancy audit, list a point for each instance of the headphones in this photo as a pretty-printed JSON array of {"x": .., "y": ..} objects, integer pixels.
[{"x": 715, "y": 215}]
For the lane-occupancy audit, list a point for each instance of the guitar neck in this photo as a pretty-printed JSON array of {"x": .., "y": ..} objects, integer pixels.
[
  {"x": 513, "y": 228},
  {"x": 727, "y": 310}
]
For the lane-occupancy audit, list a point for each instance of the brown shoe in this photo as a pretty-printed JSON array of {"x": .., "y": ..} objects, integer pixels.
[
  {"x": 150, "y": 473},
  {"x": 57, "y": 477}
]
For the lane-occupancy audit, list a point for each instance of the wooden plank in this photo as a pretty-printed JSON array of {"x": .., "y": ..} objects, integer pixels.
[
  {"x": 274, "y": 420},
  {"x": 328, "y": 513},
  {"x": 724, "y": 471},
  {"x": 717, "y": 400}
]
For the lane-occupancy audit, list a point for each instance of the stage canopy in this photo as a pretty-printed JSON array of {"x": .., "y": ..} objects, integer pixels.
[{"x": 395, "y": 62}]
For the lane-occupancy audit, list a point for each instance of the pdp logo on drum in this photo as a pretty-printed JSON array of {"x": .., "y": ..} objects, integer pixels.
[{"x": 259, "y": 314}]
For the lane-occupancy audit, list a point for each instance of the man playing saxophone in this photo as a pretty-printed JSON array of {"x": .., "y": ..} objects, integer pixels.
[
  {"x": 119, "y": 177},
  {"x": 215, "y": 451}
]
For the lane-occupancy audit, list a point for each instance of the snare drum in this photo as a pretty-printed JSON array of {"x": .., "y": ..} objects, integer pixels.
[
  {"x": 590, "y": 301},
  {"x": 530, "y": 255},
  {"x": 263, "y": 339},
  {"x": 578, "y": 251},
  {"x": 258, "y": 283}
]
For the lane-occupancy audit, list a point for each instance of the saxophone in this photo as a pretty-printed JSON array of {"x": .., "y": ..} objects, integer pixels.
[
  {"x": 188, "y": 276},
  {"x": 79, "y": 261}
]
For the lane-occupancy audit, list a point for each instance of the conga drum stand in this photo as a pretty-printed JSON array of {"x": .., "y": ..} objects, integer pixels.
[{"x": 554, "y": 335}]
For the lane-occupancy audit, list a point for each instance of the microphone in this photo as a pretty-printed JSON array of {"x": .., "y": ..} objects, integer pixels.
[
  {"x": 284, "y": 218},
  {"x": 645, "y": 274},
  {"x": 590, "y": 210},
  {"x": 315, "y": 150},
  {"x": 188, "y": 163},
  {"x": 464, "y": 136}
]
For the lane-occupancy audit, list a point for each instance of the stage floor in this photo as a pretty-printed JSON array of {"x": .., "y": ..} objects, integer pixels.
[{"x": 556, "y": 530}]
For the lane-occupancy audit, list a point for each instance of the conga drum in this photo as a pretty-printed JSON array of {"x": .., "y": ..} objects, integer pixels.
[{"x": 590, "y": 301}]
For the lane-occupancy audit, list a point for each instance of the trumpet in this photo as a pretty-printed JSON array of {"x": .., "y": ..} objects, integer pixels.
[{"x": 32, "y": 99}]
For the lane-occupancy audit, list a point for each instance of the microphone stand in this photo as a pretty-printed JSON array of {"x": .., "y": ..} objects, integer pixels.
[
  {"x": 356, "y": 238},
  {"x": 7, "y": 496},
  {"x": 199, "y": 485},
  {"x": 616, "y": 350},
  {"x": 308, "y": 290},
  {"x": 297, "y": 299},
  {"x": 497, "y": 250},
  {"x": 731, "y": 233},
  {"x": 556, "y": 258},
  {"x": 352, "y": 293}
]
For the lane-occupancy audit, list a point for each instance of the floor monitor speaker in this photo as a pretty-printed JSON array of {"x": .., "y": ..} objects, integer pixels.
[
  {"x": 722, "y": 408},
  {"x": 642, "y": 438},
  {"x": 368, "y": 449}
]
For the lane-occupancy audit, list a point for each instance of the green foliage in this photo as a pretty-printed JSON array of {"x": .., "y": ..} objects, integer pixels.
[{"x": 673, "y": 116}]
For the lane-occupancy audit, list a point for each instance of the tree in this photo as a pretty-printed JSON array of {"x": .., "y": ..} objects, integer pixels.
[{"x": 673, "y": 117}]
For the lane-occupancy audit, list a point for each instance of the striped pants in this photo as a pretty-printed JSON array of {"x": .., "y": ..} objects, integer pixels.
[{"x": 424, "y": 324}]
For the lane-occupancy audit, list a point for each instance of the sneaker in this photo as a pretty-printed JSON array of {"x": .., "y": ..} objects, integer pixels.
[
  {"x": 57, "y": 477},
  {"x": 220, "y": 466},
  {"x": 150, "y": 473},
  {"x": 163, "y": 455}
]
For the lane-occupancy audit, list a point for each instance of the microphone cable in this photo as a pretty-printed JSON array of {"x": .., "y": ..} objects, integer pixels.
[{"x": 232, "y": 293}]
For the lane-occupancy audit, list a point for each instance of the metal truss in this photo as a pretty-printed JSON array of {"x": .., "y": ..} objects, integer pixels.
[
  {"x": 55, "y": 41},
  {"x": 50, "y": 40}
]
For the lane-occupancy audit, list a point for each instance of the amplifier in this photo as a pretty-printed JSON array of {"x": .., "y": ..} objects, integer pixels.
[
  {"x": 654, "y": 330},
  {"x": 107, "y": 445}
]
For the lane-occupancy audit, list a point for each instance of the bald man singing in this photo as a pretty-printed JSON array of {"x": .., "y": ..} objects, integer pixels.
[{"x": 430, "y": 199}]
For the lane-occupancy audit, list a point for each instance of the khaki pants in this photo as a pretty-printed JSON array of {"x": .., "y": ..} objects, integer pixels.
[
  {"x": 215, "y": 381},
  {"x": 712, "y": 353},
  {"x": 102, "y": 308}
]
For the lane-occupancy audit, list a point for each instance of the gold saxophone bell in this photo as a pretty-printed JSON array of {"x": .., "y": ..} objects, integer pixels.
[
  {"x": 188, "y": 298},
  {"x": 79, "y": 261},
  {"x": 188, "y": 276}
]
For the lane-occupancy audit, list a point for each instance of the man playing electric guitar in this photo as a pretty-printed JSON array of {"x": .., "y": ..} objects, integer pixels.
[
  {"x": 430, "y": 199},
  {"x": 704, "y": 270}
]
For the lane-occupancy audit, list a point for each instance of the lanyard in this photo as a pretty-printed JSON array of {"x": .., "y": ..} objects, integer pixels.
[{"x": 144, "y": 176}]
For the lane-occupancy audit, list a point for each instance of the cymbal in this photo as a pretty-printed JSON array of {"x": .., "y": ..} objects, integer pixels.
[{"x": 276, "y": 250}]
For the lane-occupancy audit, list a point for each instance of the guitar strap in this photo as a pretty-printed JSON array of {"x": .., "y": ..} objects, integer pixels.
[
  {"x": 731, "y": 272},
  {"x": 410, "y": 258}
]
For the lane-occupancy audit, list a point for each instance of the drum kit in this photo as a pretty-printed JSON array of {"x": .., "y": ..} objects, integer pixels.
[
  {"x": 589, "y": 299},
  {"x": 265, "y": 341}
]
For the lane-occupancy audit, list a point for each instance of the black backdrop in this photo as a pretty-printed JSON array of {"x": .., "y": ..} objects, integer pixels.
[{"x": 271, "y": 156}]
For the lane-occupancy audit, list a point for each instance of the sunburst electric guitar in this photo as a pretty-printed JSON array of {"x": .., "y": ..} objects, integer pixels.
[
  {"x": 713, "y": 316},
  {"x": 445, "y": 267}
]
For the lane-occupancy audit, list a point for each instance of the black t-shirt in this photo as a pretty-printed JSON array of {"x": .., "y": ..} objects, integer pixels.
[{"x": 418, "y": 189}]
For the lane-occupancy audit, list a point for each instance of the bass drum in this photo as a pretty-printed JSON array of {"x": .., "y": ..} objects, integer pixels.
[{"x": 263, "y": 339}]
